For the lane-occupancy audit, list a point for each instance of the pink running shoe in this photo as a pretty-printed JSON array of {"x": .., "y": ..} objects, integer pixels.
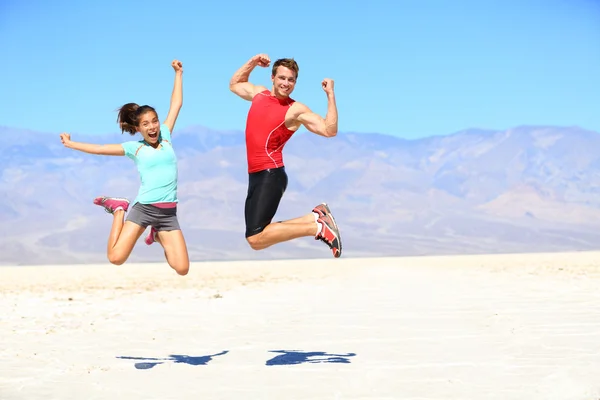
[
  {"x": 112, "y": 204},
  {"x": 151, "y": 238}
]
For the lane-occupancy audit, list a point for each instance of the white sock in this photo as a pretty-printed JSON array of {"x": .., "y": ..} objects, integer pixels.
[
  {"x": 119, "y": 208},
  {"x": 319, "y": 228},
  {"x": 316, "y": 216}
]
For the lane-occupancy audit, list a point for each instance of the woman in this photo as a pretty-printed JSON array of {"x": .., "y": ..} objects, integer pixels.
[{"x": 156, "y": 202}]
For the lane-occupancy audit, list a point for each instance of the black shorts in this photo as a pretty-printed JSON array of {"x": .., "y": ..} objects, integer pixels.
[{"x": 265, "y": 189}]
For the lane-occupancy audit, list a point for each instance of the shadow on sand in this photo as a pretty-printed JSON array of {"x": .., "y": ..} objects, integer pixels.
[
  {"x": 149, "y": 362},
  {"x": 292, "y": 357}
]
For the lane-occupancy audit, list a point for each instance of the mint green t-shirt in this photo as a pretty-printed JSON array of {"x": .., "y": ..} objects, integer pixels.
[{"x": 157, "y": 168}]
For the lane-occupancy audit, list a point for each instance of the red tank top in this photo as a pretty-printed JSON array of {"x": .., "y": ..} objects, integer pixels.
[{"x": 266, "y": 133}]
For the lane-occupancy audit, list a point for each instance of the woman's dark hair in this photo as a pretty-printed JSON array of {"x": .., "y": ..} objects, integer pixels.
[{"x": 129, "y": 115}]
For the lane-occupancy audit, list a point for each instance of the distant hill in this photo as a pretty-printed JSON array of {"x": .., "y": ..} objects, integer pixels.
[{"x": 531, "y": 188}]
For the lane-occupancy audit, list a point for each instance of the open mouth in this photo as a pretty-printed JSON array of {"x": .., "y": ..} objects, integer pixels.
[{"x": 153, "y": 135}]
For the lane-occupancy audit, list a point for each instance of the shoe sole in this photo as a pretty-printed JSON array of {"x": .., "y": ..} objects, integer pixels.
[
  {"x": 112, "y": 198},
  {"x": 338, "y": 235},
  {"x": 337, "y": 229}
]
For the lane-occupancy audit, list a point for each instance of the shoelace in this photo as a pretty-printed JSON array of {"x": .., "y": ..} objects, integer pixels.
[{"x": 106, "y": 208}]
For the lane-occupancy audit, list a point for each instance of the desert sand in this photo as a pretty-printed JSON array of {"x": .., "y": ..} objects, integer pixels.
[{"x": 521, "y": 326}]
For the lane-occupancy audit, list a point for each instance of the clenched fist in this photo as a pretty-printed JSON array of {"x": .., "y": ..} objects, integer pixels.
[
  {"x": 177, "y": 66},
  {"x": 327, "y": 85},
  {"x": 65, "y": 138},
  {"x": 261, "y": 60}
]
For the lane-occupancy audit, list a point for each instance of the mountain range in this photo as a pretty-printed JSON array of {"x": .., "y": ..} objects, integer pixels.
[{"x": 525, "y": 189}]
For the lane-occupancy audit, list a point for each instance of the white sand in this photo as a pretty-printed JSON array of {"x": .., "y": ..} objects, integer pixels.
[{"x": 481, "y": 327}]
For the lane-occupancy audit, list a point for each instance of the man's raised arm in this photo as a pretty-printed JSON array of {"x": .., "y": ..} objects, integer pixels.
[
  {"x": 239, "y": 81},
  {"x": 327, "y": 126}
]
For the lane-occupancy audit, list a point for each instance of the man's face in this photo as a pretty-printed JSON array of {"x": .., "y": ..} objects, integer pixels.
[{"x": 284, "y": 81}]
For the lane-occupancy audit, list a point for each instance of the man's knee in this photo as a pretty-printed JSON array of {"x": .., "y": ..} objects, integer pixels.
[{"x": 255, "y": 241}]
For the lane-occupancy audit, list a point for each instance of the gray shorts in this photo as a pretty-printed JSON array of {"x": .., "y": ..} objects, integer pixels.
[{"x": 162, "y": 219}]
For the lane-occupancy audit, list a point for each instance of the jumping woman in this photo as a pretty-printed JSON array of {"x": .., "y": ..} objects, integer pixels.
[{"x": 156, "y": 202}]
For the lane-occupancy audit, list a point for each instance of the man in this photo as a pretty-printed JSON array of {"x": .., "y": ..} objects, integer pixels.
[{"x": 272, "y": 120}]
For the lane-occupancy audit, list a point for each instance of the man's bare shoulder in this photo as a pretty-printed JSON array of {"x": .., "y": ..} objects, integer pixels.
[
  {"x": 258, "y": 89},
  {"x": 298, "y": 107}
]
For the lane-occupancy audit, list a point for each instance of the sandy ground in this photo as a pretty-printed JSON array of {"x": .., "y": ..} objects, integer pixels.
[{"x": 460, "y": 327}]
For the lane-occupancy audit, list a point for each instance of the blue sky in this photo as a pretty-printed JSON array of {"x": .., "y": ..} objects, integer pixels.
[{"x": 410, "y": 68}]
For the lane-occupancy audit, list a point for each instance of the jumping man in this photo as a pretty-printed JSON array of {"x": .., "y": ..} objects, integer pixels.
[{"x": 272, "y": 120}]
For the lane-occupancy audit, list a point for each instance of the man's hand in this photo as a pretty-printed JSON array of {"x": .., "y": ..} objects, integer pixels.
[
  {"x": 327, "y": 85},
  {"x": 177, "y": 66},
  {"x": 262, "y": 60}
]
